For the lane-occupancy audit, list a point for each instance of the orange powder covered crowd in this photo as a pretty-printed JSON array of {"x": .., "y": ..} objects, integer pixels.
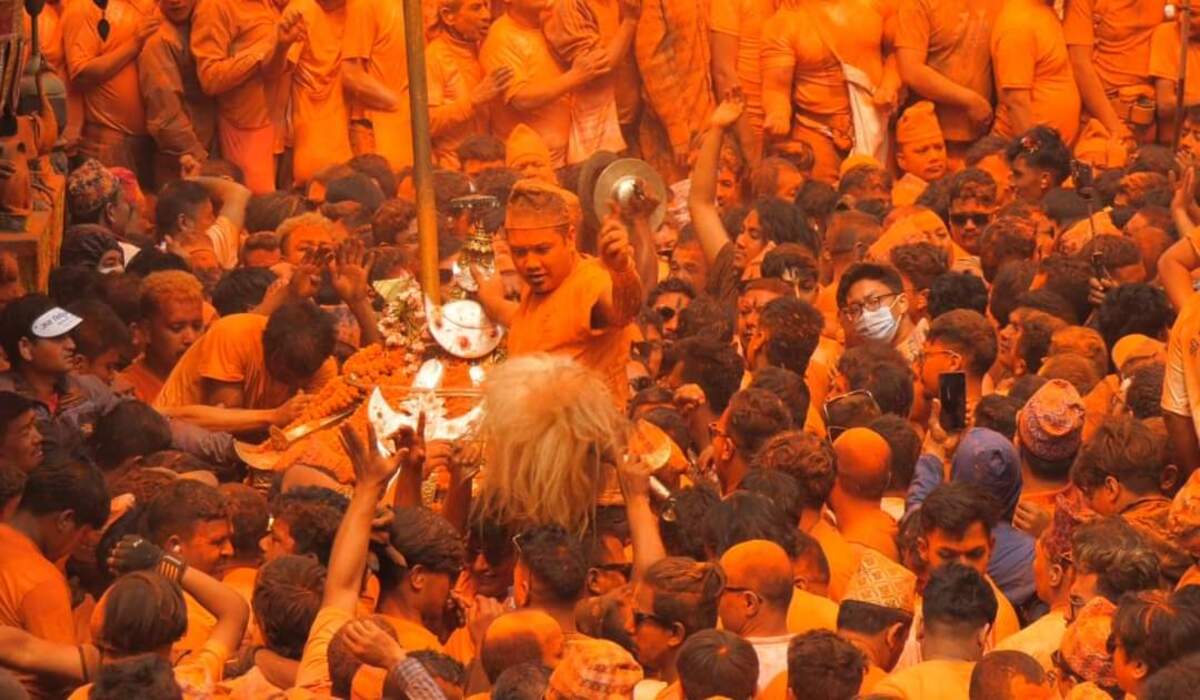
[{"x": 780, "y": 350}]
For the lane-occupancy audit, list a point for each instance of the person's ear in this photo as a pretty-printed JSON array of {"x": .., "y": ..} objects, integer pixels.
[
  {"x": 110, "y": 211},
  {"x": 920, "y": 623},
  {"x": 173, "y": 545},
  {"x": 1169, "y": 479},
  {"x": 1020, "y": 369},
  {"x": 895, "y": 634},
  {"x": 25, "y": 347},
  {"x": 752, "y": 603},
  {"x": 982, "y": 637},
  {"x": 65, "y": 520},
  {"x": 593, "y": 581},
  {"x": 676, "y": 634},
  {"x": 1056, "y": 574},
  {"x": 1044, "y": 181},
  {"x": 182, "y": 222},
  {"x": 1112, "y": 488},
  {"x": 923, "y": 549},
  {"x": 1138, "y": 668},
  {"x": 921, "y": 301},
  {"x": 416, "y": 578},
  {"x": 901, "y": 305}
]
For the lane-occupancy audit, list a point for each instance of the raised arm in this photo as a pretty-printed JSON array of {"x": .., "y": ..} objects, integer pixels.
[
  {"x": 620, "y": 303},
  {"x": 643, "y": 524},
  {"x": 702, "y": 198}
]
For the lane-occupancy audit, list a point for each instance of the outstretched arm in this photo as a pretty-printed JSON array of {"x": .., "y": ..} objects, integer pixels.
[{"x": 702, "y": 198}]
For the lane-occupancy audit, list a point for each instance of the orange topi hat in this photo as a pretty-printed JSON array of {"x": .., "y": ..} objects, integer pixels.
[{"x": 918, "y": 123}]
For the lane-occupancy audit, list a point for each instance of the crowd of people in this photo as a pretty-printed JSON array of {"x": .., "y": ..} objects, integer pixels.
[{"x": 892, "y": 392}]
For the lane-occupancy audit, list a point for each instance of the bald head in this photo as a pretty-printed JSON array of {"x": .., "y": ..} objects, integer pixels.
[
  {"x": 864, "y": 463},
  {"x": 1009, "y": 675},
  {"x": 520, "y": 637},
  {"x": 762, "y": 567}
]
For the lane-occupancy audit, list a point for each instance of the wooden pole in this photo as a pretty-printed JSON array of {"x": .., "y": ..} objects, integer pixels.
[
  {"x": 1185, "y": 33},
  {"x": 418, "y": 95}
]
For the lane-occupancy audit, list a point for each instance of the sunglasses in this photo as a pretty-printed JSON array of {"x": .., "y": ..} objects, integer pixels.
[
  {"x": 980, "y": 219},
  {"x": 666, "y": 313}
]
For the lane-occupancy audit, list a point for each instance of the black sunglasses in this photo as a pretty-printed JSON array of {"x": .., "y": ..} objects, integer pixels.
[
  {"x": 979, "y": 219},
  {"x": 665, "y": 312}
]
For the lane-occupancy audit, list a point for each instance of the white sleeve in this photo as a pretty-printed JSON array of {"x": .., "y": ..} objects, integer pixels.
[
  {"x": 226, "y": 241},
  {"x": 1175, "y": 394}
]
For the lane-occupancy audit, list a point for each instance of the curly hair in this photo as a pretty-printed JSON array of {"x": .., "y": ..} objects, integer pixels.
[
  {"x": 824, "y": 666},
  {"x": 793, "y": 330},
  {"x": 556, "y": 560},
  {"x": 312, "y": 514},
  {"x": 754, "y": 416},
  {"x": 970, "y": 335},
  {"x": 686, "y": 592},
  {"x": 391, "y": 219},
  {"x": 158, "y": 288},
  {"x": 807, "y": 458},
  {"x": 1134, "y": 308},
  {"x": 920, "y": 262},
  {"x": 142, "y": 613}
]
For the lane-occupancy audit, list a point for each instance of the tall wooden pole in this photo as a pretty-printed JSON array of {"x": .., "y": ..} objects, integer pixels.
[
  {"x": 418, "y": 95},
  {"x": 1185, "y": 33}
]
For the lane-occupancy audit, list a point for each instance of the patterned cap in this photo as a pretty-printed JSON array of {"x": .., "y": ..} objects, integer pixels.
[
  {"x": 918, "y": 124},
  {"x": 89, "y": 187},
  {"x": 523, "y": 145},
  {"x": 1056, "y": 539},
  {"x": 1051, "y": 423},
  {"x": 1084, "y": 645},
  {"x": 881, "y": 581},
  {"x": 594, "y": 669}
]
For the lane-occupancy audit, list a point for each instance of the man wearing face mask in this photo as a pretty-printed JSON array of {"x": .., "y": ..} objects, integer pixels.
[
  {"x": 92, "y": 246},
  {"x": 872, "y": 305}
]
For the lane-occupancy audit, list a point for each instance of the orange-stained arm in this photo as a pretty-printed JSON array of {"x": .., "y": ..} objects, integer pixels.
[
  {"x": 218, "y": 67},
  {"x": 22, "y": 651},
  {"x": 1019, "y": 102},
  {"x": 365, "y": 89},
  {"x": 1175, "y": 267},
  {"x": 89, "y": 62},
  {"x": 161, "y": 85},
  {"x": 1164, "y": 96},
  {"x": 1092, "y": 91}
]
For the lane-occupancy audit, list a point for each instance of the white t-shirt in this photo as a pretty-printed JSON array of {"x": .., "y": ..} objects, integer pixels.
[
  {"x": 772, "y": 657},
  {"x": 226, "y": 242}
]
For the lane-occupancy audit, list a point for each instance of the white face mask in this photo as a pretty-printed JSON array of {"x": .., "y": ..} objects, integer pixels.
[
  {"x": 879, "y": 324},
  {"x": 111, "y": 269}
]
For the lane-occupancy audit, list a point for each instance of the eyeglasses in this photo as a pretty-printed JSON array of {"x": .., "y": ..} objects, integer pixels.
[
  {"x": 980, "y": 219},
  {"x": 851, "y": 312},
  {"x": 934, "y": 353},
  {"x": 640, "y": 618},
  {"x": 666, "y": 313},
  {"x": 739, "y": 589}
]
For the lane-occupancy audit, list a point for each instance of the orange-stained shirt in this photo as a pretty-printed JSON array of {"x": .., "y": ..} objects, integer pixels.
[
  {"x": 34, "y": 596},
  {"x": 818, "y": 84},
  {"x": 231, "y": 39},
  {"x": 197, "y": 675},
  {"x": 843, "y": 560},
  {"x": 180, "y": 117},
  {"x": 313, "y": 672},
  {"x": 368, "y": 681},
  {"x": 1118, "y": 32},
  {"x": 232, "y": 351},
  {"x": 1030, "y": 53},
  {"x": 200, "y": 623},
  {"x": 561, "y": 323},
  {"x": 525, "y": 51},
  {"x": 1164, "y": 60},
  {"x": 744, "y": 20},
  {"x": 50, "y": 40},
  {"x": 453, "y": 72},
  {"x": 955, "y": 37},
  {"x": 320, "y": 116},
  {"x": 929, "y": 680},
  {"x": 809, "y": 611},
  {"x": 375, "y": 35},
  {"x": 117, "y": 102},
  {"x": 145, "y": 383},
  {"x": 871, "y": 678},
  {"x": 673, "y": 58}
]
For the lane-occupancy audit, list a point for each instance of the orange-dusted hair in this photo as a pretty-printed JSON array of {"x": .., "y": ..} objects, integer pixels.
[{"x": 169, "y": 285}]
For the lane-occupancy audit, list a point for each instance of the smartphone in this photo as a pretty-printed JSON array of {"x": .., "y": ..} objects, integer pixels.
[{"x": 952, "y": 392}]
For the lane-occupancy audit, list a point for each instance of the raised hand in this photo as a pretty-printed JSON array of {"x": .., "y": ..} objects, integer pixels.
[
  {"x": 292, "y": 27},
  {"x": 348, "y": 271},
  {"x": 373, "y": 469},
  {"x": 371, "y": 645},
  {"x": 616, "y": 252},
  {"x": 729, "y": 111},
  {"x": 146, "y": 28}
]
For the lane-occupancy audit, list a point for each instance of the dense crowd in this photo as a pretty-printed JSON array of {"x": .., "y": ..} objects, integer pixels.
[{"x": 891, "y": 389}]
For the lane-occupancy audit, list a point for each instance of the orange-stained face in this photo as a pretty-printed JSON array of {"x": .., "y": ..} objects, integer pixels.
[
  {"x": 728, "y": 195},
  {"x": 750, "y": 304},
  {"x": 472, "y": 168},
  {"x": 750, "y": 243},
  {"x": 177, "y": 11},
  {"x": 788, "y": 185},
  {"x": 171, "y": 331},
  {"x": 305, "y": 239},
  {"x": 21, "y": 443},
  {"x": 544, "y": 257},
  {"x": 925, "y": 159},
  {"x": 210, "y": 544},
  {"x": 973, "y": 549},
  {"x": 469, "y": 22}
]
